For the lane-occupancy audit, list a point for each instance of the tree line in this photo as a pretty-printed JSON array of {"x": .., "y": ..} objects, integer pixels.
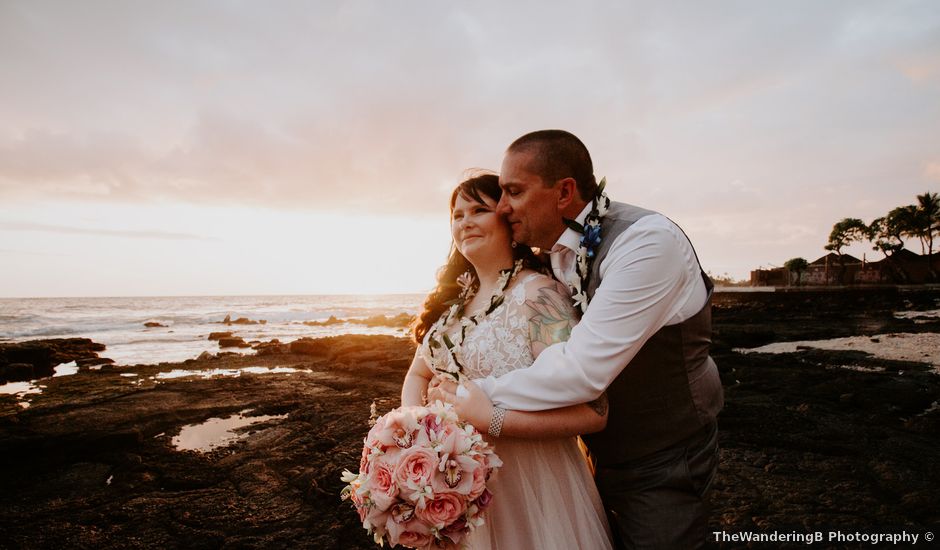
[{"x": 887, "y": 234}]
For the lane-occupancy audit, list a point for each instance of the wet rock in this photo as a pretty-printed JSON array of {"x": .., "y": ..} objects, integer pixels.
[
  {"x": 271, "y": 348},
  {"x": 331, "y": 321},
  {"x": 16, "y": 372},
  {"x": 218, "y": 335},
  {"x": 233, "y": 342},
  {"x": 153, "y": 324},
  {"x": 782, "y": 466},
  {"x": 401, "y": 320},
  {"x": 92, "y": 361},
  {"x": 43, "y": 355},
  {"x": 242, "y": 321},
  {"x": 310, "y": 346}
]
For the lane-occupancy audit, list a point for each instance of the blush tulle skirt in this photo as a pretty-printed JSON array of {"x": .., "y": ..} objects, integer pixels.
[{"x": 543, "y": 497}]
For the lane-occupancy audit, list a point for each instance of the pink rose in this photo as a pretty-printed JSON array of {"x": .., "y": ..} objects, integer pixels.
[
  {"x": 414, "y": 539},
  {"x": 357, "y": 502},
  {"x": 478, "y": 485},
  {"x": 413, "y": 533},
  {"x": 455, "y": 532},
  {"x": 382, "y": 487},
  {"x": 376, "y": 518},
  {"x": 483, "y": 501},
  {"x": 442, "y": 510},
  {"x": 416, "y": 465}
]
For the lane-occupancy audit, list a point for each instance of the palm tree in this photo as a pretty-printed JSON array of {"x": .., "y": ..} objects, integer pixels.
[
  {"x": 844, "y": 233},
  {"x": 887, "y": 234},
  {"x": 798, "y": 266},
  {"x": 927, "y": 219}
]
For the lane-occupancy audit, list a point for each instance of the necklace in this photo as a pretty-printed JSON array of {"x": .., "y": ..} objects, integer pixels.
[
  {"x": 590, "y": 239},
  {"x": 445, "y": 351}
]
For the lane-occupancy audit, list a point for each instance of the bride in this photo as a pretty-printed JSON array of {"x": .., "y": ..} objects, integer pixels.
[{"x": 544, "y": 495}]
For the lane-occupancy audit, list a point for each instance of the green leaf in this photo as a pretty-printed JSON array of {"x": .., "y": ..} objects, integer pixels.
[
  {"x": 495, "y": 304},
  {"x": 448, "y": 343},
  {"x": 601, "y": 185},
  {"x": 574, "y": 225}
]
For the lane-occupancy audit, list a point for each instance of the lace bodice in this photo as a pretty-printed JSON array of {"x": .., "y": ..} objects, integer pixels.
[{"x": 500, "y": 343}]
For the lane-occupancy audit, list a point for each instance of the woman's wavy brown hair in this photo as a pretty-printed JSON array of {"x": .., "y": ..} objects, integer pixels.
[{"x": 473, "y": 188}]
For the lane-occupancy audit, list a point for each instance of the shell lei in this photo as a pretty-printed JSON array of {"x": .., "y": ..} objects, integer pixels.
[
  {"x": 590, "y": 239},
  {"x": 446, "y": 352}
]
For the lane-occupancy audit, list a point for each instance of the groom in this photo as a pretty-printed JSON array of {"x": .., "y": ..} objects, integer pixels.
[{"x": 644, "y": 339}]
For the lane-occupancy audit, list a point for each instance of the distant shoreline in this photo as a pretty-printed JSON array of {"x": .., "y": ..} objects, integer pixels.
[{"x": 832, "y": 288}]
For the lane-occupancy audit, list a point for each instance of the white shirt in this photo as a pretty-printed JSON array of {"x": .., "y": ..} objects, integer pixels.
[{"x": 650, "y": 278}]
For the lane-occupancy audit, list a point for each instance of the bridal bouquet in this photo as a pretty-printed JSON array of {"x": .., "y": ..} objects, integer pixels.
[{"x": 422, "y": 478}]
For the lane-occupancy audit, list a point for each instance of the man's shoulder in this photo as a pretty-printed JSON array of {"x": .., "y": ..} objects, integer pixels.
[
  {"x": 624, "y": 212},
  {"x": 633, "y": 226},
  {"x": 622, "y": 216}
]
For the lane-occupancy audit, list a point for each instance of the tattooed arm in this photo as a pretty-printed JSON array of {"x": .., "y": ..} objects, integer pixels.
[{"x": 551, "y": 317}]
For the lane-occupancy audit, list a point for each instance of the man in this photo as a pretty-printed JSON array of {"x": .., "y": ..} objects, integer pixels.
[{"x": 643, "y": 338}]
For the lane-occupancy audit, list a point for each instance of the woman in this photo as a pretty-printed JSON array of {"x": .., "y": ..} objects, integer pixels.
[{"x": 507, "y": 312}]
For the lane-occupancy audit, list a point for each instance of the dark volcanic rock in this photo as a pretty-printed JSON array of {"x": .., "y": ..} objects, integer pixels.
[
  {"x": 92, "y": 361},
  {"x": 242, "y": 321},
  {"x": 16, "y": 372},
  {"x": 43, "y": 355},
  {"x": 233, "y": 342},
  {"x": 270, "y": 348},
  {"x": 310, "y": 346},
  {"x": 401, "y": 320},
  {"x": 805, "y": 444}
]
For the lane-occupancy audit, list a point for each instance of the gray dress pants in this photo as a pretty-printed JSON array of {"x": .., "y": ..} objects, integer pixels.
[{"x": 659, "y": 500}]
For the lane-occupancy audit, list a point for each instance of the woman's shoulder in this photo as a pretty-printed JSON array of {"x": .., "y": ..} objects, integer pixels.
[{"x": 536, "y": 284}]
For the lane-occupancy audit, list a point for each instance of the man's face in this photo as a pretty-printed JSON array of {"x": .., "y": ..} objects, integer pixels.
[{"x": 530, "y": 207}]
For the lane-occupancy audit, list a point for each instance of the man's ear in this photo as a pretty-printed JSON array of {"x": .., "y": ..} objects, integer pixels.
[{"x": 567, "y": 192}]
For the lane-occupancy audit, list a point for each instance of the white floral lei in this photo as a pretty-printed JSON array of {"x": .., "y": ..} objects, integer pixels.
[
  {"x": 451, "y": 362},
  {"x": 590, "y": 239}
]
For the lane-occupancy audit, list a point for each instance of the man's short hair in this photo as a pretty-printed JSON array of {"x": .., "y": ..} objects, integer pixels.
[{"x": 558, "y": 154}]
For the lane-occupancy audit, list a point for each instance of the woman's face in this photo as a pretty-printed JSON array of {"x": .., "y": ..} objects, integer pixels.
[{"x": 478, "y": 231}]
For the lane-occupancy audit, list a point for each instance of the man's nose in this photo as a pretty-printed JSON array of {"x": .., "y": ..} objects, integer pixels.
[{"x": 502, "y": 207}]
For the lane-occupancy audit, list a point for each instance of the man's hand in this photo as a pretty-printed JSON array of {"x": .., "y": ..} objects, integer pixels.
[
  {"x": 473, "y": 405},
  {"x": 476, "y": 407}
]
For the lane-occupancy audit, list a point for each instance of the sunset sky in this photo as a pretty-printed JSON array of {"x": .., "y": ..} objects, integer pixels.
[{"x": 199, "y": 147}]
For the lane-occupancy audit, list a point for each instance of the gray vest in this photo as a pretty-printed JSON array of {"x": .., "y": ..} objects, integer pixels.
[{"x": 671, "y": 388}]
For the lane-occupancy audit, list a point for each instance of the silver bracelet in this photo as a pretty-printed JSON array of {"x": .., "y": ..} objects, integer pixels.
[{"x": 496, "y": 421}]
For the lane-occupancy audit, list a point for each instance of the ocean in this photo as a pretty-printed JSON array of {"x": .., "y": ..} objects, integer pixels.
[{"x": 118, "y": 323}]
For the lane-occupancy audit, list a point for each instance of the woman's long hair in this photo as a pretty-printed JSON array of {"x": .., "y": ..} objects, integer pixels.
[{"x": 447, "y": 288}]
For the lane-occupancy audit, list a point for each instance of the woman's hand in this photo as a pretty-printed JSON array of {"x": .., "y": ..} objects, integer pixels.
[
  {"x": 442, "y": 389},
  {"x": 476, "y": 408}
]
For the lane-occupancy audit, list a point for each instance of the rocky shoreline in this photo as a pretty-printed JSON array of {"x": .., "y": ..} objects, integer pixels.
[{"x": 806, "y": 443}]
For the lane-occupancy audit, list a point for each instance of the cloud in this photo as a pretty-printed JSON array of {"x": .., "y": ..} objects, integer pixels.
[
  {"x": 365, "y": 107},
  {"x": 932, "y": 171},
  {"x": 27, "y": 226}
]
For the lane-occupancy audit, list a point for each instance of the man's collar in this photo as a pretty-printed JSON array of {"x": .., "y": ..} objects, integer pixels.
[{"x": 571, "y": 239}]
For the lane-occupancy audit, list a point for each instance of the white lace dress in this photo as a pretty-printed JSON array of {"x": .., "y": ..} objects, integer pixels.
[{"x": 544, "y": 495}]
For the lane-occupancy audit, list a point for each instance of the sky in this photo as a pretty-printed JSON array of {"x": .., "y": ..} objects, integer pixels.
[{"x": 238, "y": 147}]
